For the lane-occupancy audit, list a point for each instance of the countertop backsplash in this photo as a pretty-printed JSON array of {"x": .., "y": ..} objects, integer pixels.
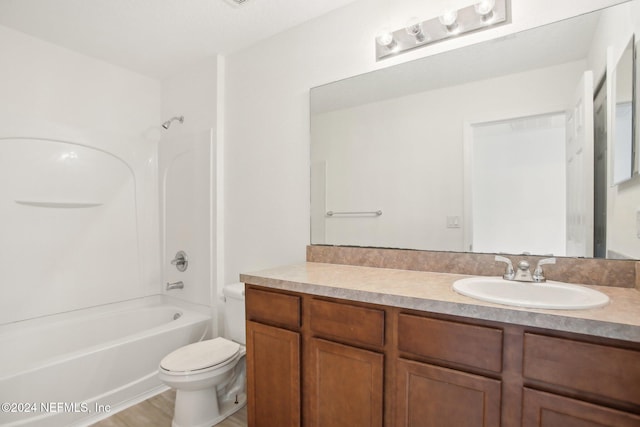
[{"x": 587, "y": 271}]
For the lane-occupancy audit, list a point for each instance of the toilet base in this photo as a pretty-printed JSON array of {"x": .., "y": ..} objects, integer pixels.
[{"x": 201, "y": 408}]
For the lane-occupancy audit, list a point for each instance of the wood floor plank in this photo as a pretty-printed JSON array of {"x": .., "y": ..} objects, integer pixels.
[{"x": 157, "y": 411}]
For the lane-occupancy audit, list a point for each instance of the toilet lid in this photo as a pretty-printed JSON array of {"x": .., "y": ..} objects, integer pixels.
[{"x": 200, "y": 355}]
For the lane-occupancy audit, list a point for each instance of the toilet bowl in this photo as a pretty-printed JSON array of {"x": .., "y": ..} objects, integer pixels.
[
  {"x": 209, "y": 380},
  {"x": 210, "y": 376}
]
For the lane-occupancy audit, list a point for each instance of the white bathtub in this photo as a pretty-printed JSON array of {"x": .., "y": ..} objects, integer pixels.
[{"x": 77, "y": 368}]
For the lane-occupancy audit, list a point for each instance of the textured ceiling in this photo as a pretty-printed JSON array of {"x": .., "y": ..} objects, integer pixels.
[{"x": 157, "y": 37}]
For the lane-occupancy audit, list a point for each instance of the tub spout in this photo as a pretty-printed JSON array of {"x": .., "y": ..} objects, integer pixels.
[{"x": 175, "y": 285}]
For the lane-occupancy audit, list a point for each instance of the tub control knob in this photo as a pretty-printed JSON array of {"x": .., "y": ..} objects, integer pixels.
[{"x": 180, "y": 261}]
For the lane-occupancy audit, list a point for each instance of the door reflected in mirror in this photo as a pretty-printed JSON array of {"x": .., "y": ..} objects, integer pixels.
[{"x": 504, "y": 170}]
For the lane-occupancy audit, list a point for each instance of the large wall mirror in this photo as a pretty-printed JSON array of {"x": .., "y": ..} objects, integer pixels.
[{"x": 487, "y": 148}]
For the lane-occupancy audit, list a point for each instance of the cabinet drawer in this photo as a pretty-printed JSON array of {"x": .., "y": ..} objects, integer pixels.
[
  {"x": 469, "y": 345},
  {"x": 347, "y": 322},
  {"x": 601, "y": 370},
  {"x": 273, "y": 308}
]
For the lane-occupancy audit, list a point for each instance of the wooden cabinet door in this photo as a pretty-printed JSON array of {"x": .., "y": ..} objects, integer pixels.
[
  {"x": 273, "y": 376},
  {"x": 430, "y": 396},
  {"x": 549, "y": 410},
  {"x": 345, "y": 386}
]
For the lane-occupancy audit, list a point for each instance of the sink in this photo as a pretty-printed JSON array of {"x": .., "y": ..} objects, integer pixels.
[{"x": 550, "y": 295}]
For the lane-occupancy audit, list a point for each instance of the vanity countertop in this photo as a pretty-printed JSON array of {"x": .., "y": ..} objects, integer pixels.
[{"x": 427, "y": 291}]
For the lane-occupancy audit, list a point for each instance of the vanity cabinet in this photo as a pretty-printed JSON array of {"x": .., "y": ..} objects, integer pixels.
[
  {"x": 315, "y": 362},
  {"x": 346, "y": 385},
  {"x": 541, "y": 409},
  {"x": 429, "y": 395},
  {"x": 345, "y": 364},
  {"x": 432, "y": 395},
  {"x": 273, "y": 358},
  {"x": 586, "y": 383}
]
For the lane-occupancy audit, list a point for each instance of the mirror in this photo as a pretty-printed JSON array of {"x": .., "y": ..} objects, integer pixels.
[
  {"x": 487, "y": 148},
  {"x": 623, "y": 124}
]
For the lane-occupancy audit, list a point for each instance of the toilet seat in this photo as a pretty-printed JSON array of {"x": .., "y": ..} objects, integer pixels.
[{"x": 200, "y": 356}]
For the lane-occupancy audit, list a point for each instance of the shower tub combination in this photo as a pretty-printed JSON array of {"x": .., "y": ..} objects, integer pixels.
[{"x": 79, "y": 367}]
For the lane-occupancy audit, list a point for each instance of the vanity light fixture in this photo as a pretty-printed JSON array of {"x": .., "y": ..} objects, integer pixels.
[{"x": 482, "y": 15}]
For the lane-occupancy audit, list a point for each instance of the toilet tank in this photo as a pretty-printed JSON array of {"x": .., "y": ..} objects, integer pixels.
[{"x": 234, "y": 320}]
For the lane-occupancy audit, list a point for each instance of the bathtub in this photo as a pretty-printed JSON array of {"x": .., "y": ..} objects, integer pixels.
[{"x": 77, "y": 368}]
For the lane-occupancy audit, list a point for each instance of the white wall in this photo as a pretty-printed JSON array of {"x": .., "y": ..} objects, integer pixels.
[
  {"x": 50, "y": 92},
  {"x": 188, "y": 178},
  {"x": 267, "y": 115}
]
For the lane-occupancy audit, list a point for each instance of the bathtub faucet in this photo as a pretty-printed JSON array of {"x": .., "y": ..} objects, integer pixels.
[{"x": 175, "y": 285}]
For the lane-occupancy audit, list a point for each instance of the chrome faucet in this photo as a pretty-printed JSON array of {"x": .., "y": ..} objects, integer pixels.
[
  {"x": 509, "y": 274},
  {"x": 538, "y": 274},
  {"x": 523, "y": 274},
  {"x": 175, "y": 285},
  {"x": 180, "y": 261}
]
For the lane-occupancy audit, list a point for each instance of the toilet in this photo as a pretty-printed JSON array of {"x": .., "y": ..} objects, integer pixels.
[{"x": 210, "y": 376}]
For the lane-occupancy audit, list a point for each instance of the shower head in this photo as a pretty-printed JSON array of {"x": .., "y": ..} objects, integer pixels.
[{"x": 168, "y": 122}]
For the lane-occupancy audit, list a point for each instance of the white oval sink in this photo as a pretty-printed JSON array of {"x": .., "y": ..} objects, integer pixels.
[{"x": 552, "y": 295}]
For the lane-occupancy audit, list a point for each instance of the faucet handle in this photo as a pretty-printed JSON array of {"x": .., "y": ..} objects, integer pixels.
[
  {"x": 509, "y": 273},
  {"x": 180, "y": 261},
  {"x": 538, "y": 274}
]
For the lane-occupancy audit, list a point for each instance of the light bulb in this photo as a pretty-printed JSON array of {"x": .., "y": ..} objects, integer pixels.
[
  {"x": 385, "y": 39},
  {"x": 448, "y": 18},
  {"x": 414, "y": 28},
  {"x": 484, "y": 7},
  {"x": 485, "y": 10}
]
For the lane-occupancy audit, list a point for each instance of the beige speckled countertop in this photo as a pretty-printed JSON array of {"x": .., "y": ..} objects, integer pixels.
[{"x": 433, "y": 292}]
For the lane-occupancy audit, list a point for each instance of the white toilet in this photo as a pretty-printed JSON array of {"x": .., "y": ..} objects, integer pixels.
[{"x": 210, "y": 376}]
